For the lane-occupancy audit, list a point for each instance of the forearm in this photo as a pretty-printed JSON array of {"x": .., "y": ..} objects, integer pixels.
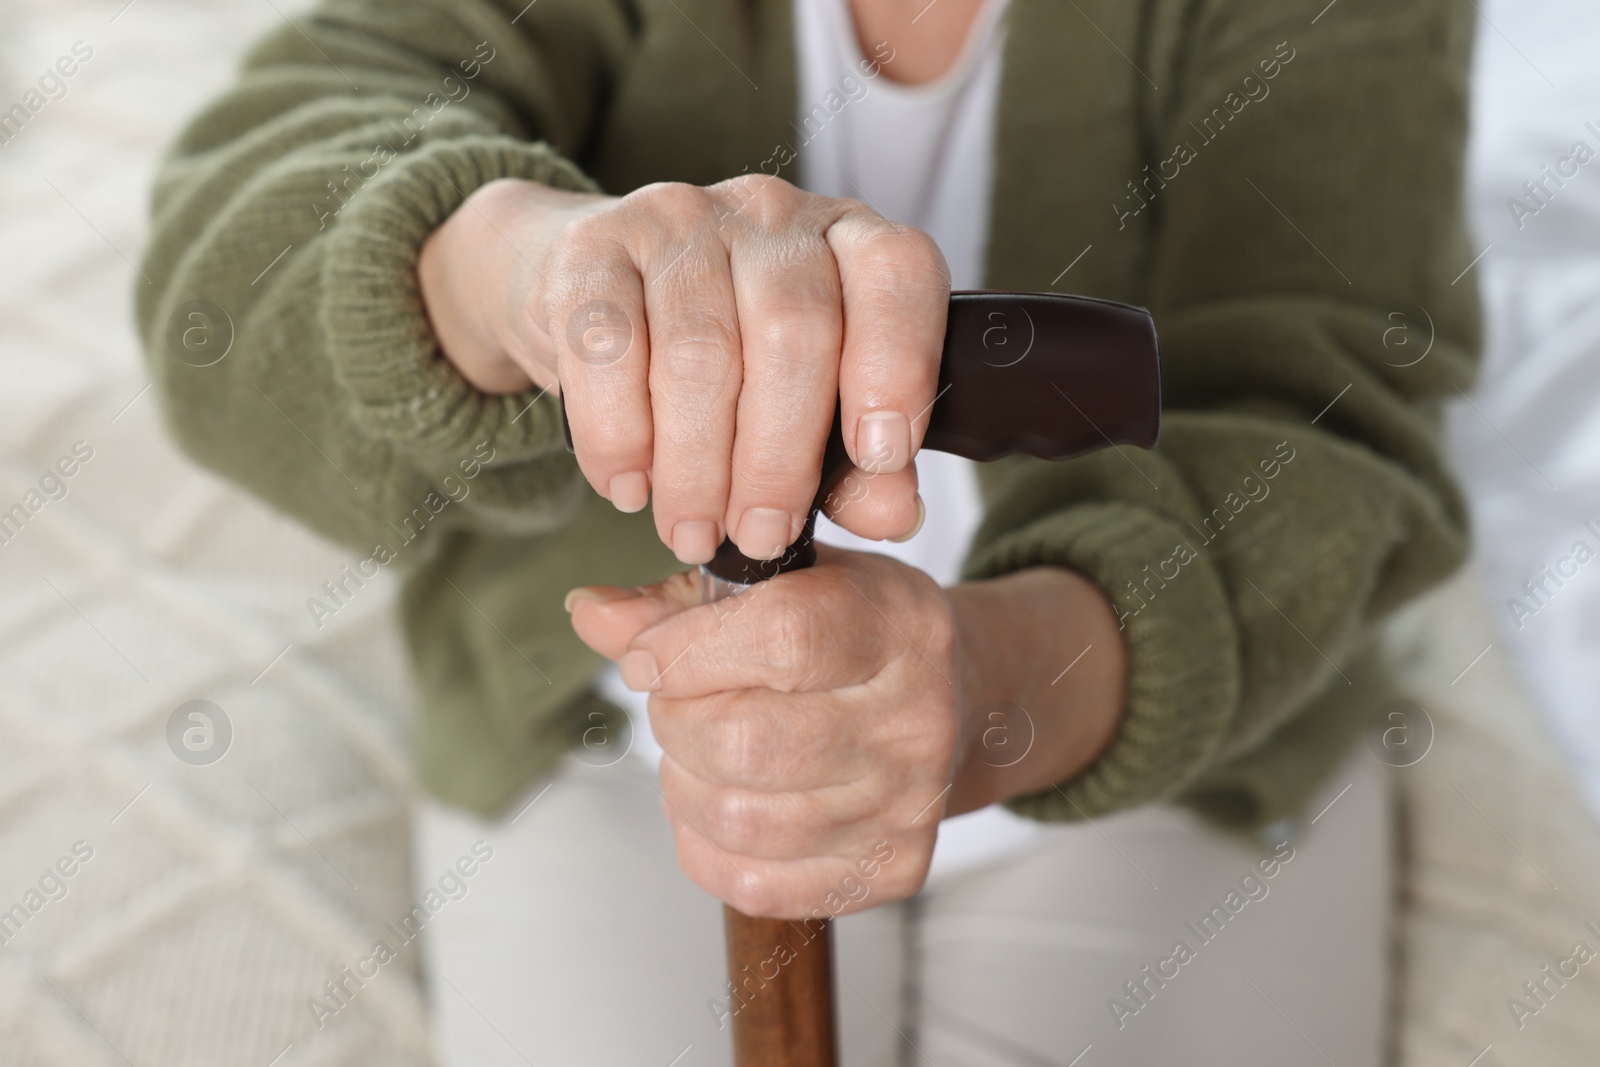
[{"x": 1043, "y": 682}]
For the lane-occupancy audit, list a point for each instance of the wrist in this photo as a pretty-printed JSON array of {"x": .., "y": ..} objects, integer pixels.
[
  {"x": 1043, "y": 682},
  {"x": 481, "y": 279}
]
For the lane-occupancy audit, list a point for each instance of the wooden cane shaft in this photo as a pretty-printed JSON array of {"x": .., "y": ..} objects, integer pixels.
[{"x": 782, "y": 998}]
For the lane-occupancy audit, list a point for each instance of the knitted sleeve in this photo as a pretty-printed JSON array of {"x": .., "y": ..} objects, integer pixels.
[
  {"x": 1304, "y": 275},
  {"x": 281, "y": 313}
]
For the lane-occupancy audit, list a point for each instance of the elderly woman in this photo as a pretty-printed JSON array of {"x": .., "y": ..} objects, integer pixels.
[{"x": 702, "y": 223}]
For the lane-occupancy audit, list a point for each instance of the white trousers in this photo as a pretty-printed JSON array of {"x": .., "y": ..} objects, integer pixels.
[{"x": 1143, "y": 938}]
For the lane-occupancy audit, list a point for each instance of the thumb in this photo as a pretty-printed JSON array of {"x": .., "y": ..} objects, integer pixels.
[{"x": 607, "y": 618}]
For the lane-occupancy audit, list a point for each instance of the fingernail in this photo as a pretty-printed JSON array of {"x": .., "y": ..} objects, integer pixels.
[
  {"x": 695, "y": 541},
  {"x": 916, "y": 527},
  {"x": 763, "y": 533},
  {"x": 601, "y": 593},
  {"x": 883, "y": 442},
  {"x": 638, "y": 670},
  {"x": 630, "y": 492}
]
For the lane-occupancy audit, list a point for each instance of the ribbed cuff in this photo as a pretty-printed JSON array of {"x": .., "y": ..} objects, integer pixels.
[
  {"x": 379, "y": 339},
  {"x": 1183, "y": 661}
]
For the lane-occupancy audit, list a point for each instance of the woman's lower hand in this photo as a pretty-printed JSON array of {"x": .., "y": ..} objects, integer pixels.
[
  {"x": 701, "y": 336},
  {"x": 829, "y": 718}
]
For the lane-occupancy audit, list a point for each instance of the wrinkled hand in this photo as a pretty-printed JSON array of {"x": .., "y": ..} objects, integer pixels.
[
  {"x": 701, "y": 337},
  {"x": 831, "y": 717},
  {"x": 801, "y": 729}
]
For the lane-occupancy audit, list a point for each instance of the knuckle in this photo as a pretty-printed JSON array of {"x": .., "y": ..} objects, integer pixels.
[
  {"x": 931, "y": 734},
  {"x": 579, "y": 245},
  {"x": 940, "y": 736},
  {"x": 597, "y": 330},
  {"x": 755, "y": 894},
  {"x": 852, "y": 217},
  {"x": 915, "y": 591},
  {"x": 796, "y": 336},
  {"x": 584, "y": 232},
  {"x": 676, "y": 264},
  {"x": 701, "y": 356},
  {"x": 566, "y": 282},
  {"x": 938, "y": 617},
  {"x": 895, "y": 264},
  {"x": 734, "y": 747},
  {"x": 925, "y": 251},
  {"x": 768, "y": 473},
  {"x": 731, "y": 819},
  {"x": 607, "y": 440},
  {"x": 678, "y": 201},
  {"x": 790, "y": 640},
  {"x": 764, "y": 199}
]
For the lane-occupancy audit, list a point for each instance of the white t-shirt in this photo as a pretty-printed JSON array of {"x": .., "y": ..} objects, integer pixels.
[{"x": 922, "y": 156}]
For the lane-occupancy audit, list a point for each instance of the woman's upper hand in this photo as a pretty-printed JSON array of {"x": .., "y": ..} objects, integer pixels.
[
  {"x": 831, "y": 717},
  {"x": 700, "y": 336}
]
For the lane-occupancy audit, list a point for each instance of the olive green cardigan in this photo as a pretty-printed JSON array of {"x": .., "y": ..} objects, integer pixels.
[{"x": 1281, "y": 189}]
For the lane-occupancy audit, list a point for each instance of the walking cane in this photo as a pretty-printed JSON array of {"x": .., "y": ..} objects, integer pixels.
[{"x": 1035, "y": 374}]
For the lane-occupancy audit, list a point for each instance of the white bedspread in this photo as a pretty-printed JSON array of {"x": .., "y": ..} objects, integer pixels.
[{"x": 215, "y": 899}]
